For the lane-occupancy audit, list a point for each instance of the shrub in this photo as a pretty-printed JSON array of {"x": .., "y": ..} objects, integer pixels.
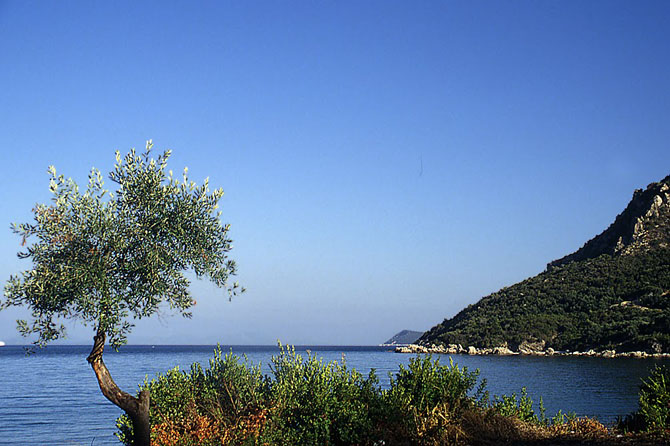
[
  {"x": 509, "y": 406},
  {"x": 653, "y": 414},
  {"x": 655, "y": 399},
  {"x": 426, "y": 398},
  {"x": 317, "y": 403},
  {"x": 223, "y": 403},
  {"x": 563, "y": 419},
  {"x": 305, "y": 402},
  {"x": 426, "y": 383}
]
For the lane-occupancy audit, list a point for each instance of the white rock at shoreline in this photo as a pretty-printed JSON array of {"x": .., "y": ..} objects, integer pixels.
[{"x": 503, "y": 350}]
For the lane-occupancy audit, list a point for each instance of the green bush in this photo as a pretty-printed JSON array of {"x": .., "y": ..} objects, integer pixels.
[
  {"x": 509, "y": 406},
  {"x": 655, "y": 399},
  {"x": 317, "y": 403},
  {"x": 521, "y": 408},
  {"x": 653, "y": 414},
  {"x": 563, "y": 418},
  {"x": 183, "y": 403},
  {"x": 426, "y": 398},
  {"x": 426, "y": 383},
  {"x": 305, "y": 401}
]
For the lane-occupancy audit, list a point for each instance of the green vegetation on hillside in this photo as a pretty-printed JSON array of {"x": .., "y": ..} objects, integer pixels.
[
  {"x": 608, "y": 302},
  {"x": 611, "y": 294},
  {"x": 404, "y": 337}
]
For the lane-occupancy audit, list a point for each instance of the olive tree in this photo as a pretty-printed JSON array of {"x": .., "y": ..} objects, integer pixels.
[{"x": 107, "y": 258}]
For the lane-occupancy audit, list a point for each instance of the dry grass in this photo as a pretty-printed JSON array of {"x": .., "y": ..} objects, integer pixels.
[
  {"x": 487, "y": 428},
  {"x": 436, "y": 428}
]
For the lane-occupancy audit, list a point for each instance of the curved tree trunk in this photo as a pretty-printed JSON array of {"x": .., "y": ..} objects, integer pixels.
[{"x": 136, "y": 408}]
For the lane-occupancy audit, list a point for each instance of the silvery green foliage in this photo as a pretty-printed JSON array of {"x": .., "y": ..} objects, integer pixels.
[{"x": 105, "y": 258}]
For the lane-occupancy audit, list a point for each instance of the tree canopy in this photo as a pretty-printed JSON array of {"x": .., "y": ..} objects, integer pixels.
[{"x": 106, "y": 258}]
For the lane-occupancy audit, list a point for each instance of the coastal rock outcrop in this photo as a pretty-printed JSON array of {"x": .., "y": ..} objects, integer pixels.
[
  {"x": 505, "y": 351},
  {"x": 529, "y": 348}
]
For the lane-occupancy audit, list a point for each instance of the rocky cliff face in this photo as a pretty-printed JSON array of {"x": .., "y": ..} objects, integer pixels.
[{"x": 643, "y": 225}]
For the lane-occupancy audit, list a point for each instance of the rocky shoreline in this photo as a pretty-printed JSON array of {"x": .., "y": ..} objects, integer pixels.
[{"x": 535, "y": 349}]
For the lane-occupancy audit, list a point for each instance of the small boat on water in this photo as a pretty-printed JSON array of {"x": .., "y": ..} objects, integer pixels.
[{"x": 2, "y": 344}]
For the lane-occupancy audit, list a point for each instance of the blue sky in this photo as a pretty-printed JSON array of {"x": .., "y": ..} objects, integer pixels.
[{"x": 385, "y": 163}]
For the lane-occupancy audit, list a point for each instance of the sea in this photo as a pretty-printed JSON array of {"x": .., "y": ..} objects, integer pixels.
[{"x": 51, "y": 397}]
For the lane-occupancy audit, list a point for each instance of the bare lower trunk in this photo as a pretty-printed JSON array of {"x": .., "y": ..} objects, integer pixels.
[{"x": 136, "y": 408}]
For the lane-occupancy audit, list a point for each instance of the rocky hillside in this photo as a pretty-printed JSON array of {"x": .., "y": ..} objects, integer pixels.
[
  {"x": 642, "y": 226},
  {"x": 612, "y": 294}
]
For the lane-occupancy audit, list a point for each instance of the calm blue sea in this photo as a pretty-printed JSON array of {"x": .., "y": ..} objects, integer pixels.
[{"x": 52, "y": 397}]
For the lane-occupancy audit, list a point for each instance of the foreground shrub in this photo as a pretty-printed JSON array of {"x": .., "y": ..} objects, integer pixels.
[
  {"x": 305, "y": 402},
  {"x": 425, "y": 400},
  {"x": 316, "y": 403},
  {"x": 522, "y": 409},
  {"x": 425, "y": 384},
  {"x": 221, "y": 404},
  {"x": 653, "y": 414},
  {"x": 655, "y": 399}
]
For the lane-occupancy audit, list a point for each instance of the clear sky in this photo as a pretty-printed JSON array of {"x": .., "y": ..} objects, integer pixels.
[{"x": 385, "y": 163}]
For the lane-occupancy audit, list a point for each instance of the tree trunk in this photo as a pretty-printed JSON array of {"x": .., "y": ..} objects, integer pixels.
[{"x": 136, "y": 408}]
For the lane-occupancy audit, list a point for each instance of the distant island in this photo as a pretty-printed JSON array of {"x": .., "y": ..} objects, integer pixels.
[
  {"x": 609, "y": 297},
  {"x": 405, "y": 337}
]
